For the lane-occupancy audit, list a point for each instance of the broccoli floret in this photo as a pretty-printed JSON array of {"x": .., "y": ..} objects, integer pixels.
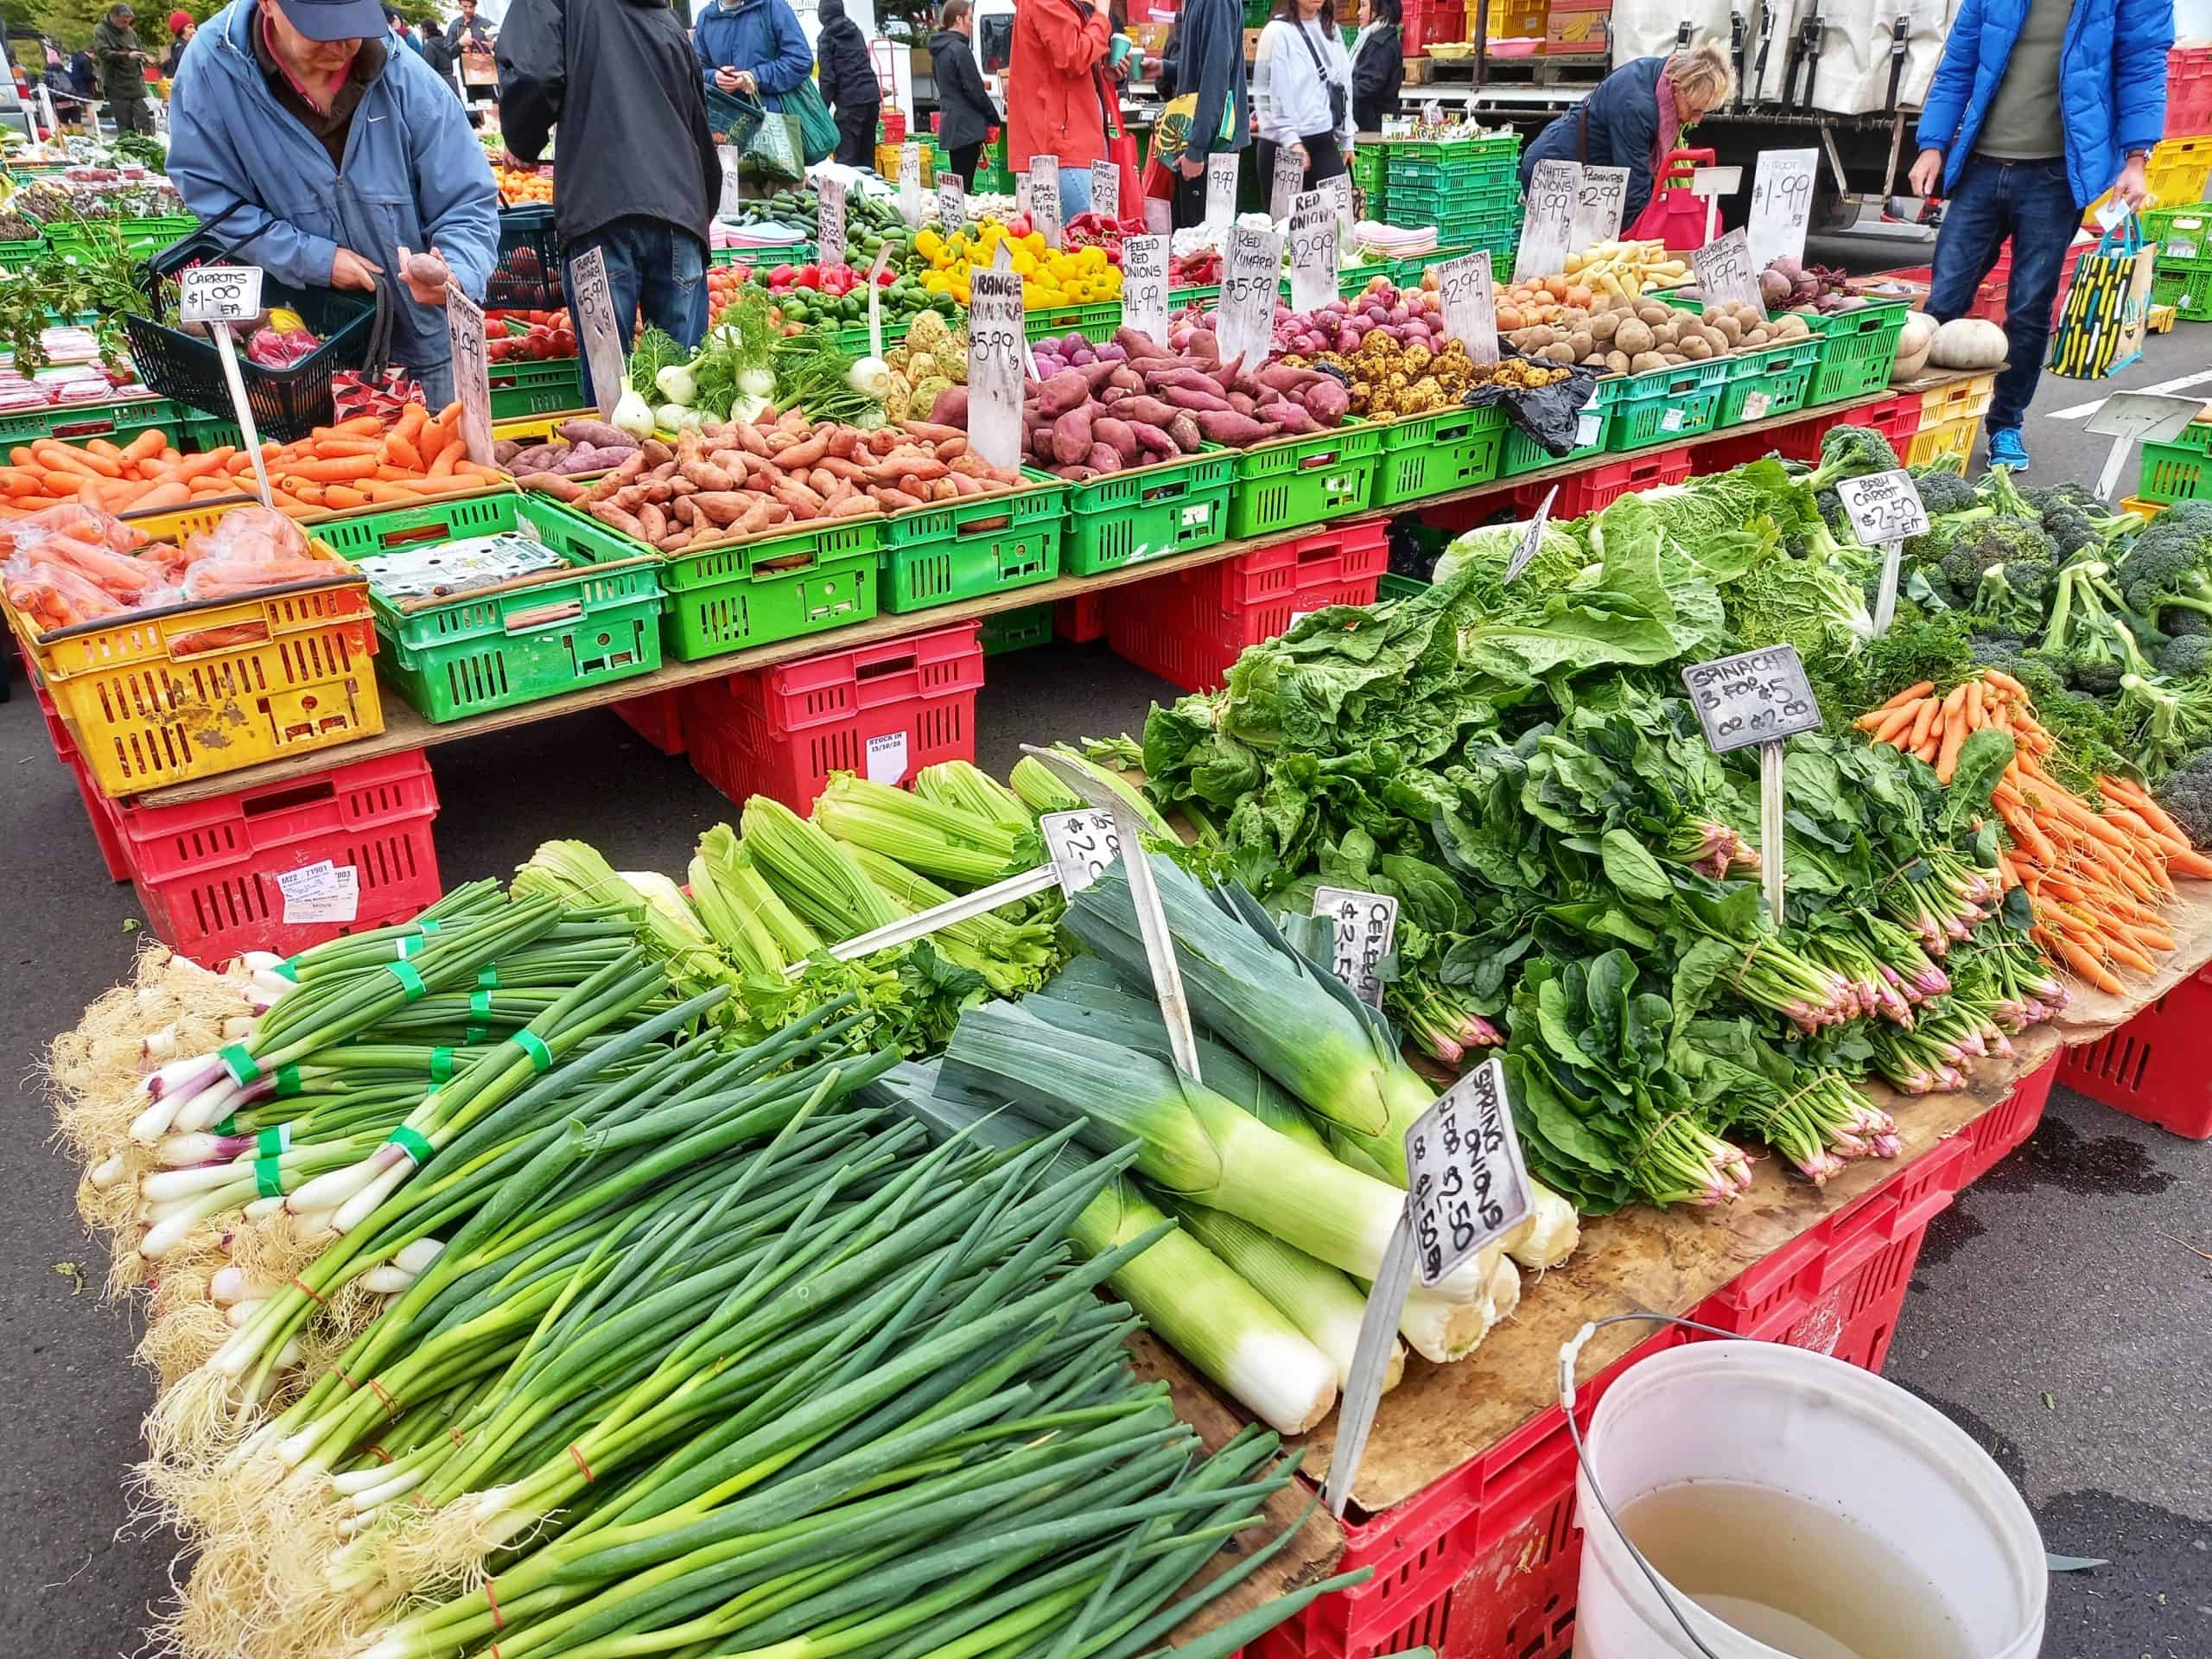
[
  {"x": 2181, "y": 659},
  {"x": 2068, "y": 494},
  {"x": 2086, "y": 638},
  {"x": 2172, "y": 722},
  {"x": 2164, "y": 576},
  {"x": 2071, "y": 529},
  {"x": 2185, "y": 625},
  {"x": 1851, "y": 452},
  {"x": 2011, "y": 597},
  {"x": 2186, "y": 795},
  {"x": 1944, "y": 492}
]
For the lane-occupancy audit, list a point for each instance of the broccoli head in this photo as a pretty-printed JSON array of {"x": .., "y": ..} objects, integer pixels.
[
  {"x": 2186, "y": 795},
  {"x": 1977, "y": 546},
  {"x": 2172, "y": 722},
  {"x": 2189, "y": 655},
  {"x": 2069, "y": 494},
  {"x": 1851, "y": 452},
  {"x": 2087, "y": 637},
  {"x": 2164, "y": 576},
  {"x": 1944, "y": 493},
  {"x": 2011, "y": 597}
]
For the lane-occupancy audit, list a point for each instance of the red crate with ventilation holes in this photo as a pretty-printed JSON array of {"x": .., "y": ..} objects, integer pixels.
[{"x": 2154, "y": 1067}]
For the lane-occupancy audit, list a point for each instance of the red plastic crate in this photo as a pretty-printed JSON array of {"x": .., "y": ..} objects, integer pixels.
[
  {"x": 1600, "y": 486},
  {"x": 658, "y": 717},
  {"x": 884, "y": 711},
  {"x": 1897, "y": 419},
  {"x": 1421, "y": 28},
  {"x": 96, "y": 804},
  {"x": 206, "y": 872},
  {"x": 1991, "y": 294},
  {"x": 2155, "y": 1066},
  {"x": 2007, "y": 1124},
  {"x": 2189, "y": 91},
  {"x": 1800, "y": 440},
  {"x": 1081, "y": 619}
]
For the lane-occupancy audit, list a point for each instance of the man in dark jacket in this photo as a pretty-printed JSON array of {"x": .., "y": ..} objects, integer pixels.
[
  {"x": 638, "y": 178},
  {"x": 965, "y": 114},
  {"x": 849, "y": 83},
  {"x": 1208, "y": 65},
  {"x": 123, "y": 72}
]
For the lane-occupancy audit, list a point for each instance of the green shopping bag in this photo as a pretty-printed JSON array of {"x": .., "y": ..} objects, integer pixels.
[{"x": 818, "y": 127}]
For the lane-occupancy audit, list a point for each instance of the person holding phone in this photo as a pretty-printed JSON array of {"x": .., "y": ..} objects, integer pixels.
[
  {"x": 752, "y": 48},
  {"x": 122, "y": 71},
  {"x": 1302, "y": 85}
]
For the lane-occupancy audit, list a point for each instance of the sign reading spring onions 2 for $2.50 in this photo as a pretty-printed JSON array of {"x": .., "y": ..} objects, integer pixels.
[
  {"x": 1755, "y": 696},
  {"x": 829, "y": 221},
  {"x": 1466, "y": 1186},
  {"x": 994, "y": 354},
  {"x": 1312, "y": 251},
  {"x": 1469, "y": 290},
  {"x": 1244, "y": 315},
  {"x": 1144, "y": 286},
  {"x": 1366, "y": 926}
]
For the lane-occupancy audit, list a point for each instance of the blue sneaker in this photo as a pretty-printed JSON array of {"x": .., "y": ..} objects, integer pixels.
[{"x": 2005, "y": 449}]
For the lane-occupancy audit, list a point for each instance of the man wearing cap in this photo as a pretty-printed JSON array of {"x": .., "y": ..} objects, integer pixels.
[
  {"x": 312, "y": 143},
  {"x": 122, "y": 71}
]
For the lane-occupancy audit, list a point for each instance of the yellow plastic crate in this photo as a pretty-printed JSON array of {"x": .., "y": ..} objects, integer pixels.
[
  {"x": 1962, "y": 400},
  {"x": 1954, "y": 437},
  {"x": 2140, "y": 508},
  {"x": 1510, "y": 20},
  {"x": 2176, "y": 173},
  {"x": 168, "y": 696}
]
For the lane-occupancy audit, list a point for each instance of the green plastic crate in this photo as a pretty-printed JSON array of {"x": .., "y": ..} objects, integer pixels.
[
  {"x": 1857, "y": 350},
  {"x": 2180, "y": 470},
  {"x": 1485, "y": 203},
  {"x": 589, "y": 625},
  {"x": 782, "y": 585},
  {"x": 1391, "y": 585},
  {"x": 1093, "y": 322},
  {"x": 1434, "y": 455},
  {"x": 2184, "y": 235},
  {"x": 1664, "y": 405},
  {"x": 1147, "y": 511},
  {"x": 1016, "y": 629},
  {"x": 2188, "y": 291},
  {"x": 74, "y": 422},
  {"x": 1493, "y": 148},
  {"x": 147, "y": 236},
  {"x": 1522, "y": 454},
  {"x": 522, "y": 389},
  {"x": 1768, "y": 381},
  {"x": 978, "y": 544},
  {"x": 1285, "y": 483}
]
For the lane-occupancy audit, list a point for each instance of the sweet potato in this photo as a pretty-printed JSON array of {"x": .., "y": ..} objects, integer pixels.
[
  {"x": 504, "y": 451},
  {"x": 1328, "y": 401},
  {"x": 596, "y": 435},
  {"x": 1183, "y": 429},
  {"x": 1288, "y": 416},
  {"x": 1151, "y": 410},
  {"x": 1072, "y": 438},
  {"x": 1281, "y": 377},
  {"x": 1104, "y": 457},
  {"x": 1063, "y": 392},
  {"x": 1155, "y": 442},
  {"x": 539, "y": 458},
  {"x": 552, "y": 484},
  {"x": 1238, "y": 431},
  {"x": 949, "y": 408},
  {"x": 1242, "y": 402},
  {"x": 1117, "y": 436},
  {"x": 1199, "y": 402},
  {"x": 1139, "y": 345},
  {"x": 1124, "y": 379}
]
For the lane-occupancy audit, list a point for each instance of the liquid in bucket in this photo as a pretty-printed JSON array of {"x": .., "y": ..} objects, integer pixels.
[{"x": 1794, "y": 1575}]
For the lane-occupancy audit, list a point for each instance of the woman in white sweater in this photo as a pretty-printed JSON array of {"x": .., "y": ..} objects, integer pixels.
[{"x": 1301, "y": 86}]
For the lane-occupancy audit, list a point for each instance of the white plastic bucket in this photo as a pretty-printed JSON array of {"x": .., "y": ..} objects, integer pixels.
[{"x": 1766, "y": 1414}]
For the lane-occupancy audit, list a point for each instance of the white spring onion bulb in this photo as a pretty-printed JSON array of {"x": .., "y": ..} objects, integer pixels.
[
  {"x": 363, "y": 1205},
  {"x": 109, "y": 1171},
  {"x": 387, "y": 1280},
  {"x": 238, "y": 1315},
  {"x": 328, "y": 1191},
  {"x": 161, "y": 1185},
  {"x": 1505, "y": 1288},
  {"x": 262, "y": 1209},
  {"x": 158, "y": 1049},
  {"x": 417, "y": 1253},
  {"x": 153, "y": 1121}
]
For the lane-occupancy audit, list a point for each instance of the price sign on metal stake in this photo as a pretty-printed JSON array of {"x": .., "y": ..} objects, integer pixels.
[
  {"x": 995, "y": 346},
  {"x": 1531, "y": 539},
  {"x": 229, "y": 294},
  {"x": 733, "y": 202},
  {"x": 1312, "y": 251},
  {"x": 1469, "y": 294},
  {"x": 951, "y": 203},
  {"x": 1338, "y": 190},
  {"x": 1289, "y": 180},
  {"x": 1244, "y": 315},
  {"x": 1221, "y": 187},
  {"x": 249, "y": 434},
  {"x": 1548, "y": 221},
  {"x": 1144, "y": 286},
  {"x": 602, "y": 345},
  {"x": 1725, "y": 273},
  {"x": 876, "y": 301},
  {"x": 1782, "y": 204},
  {"x": 1755, "y": 696},
  {"x": 1885, "y": 508},
  {"x": 1045, "y": 197},
  {"x": 1083, "y": 845},
  {"x": 1106, "y": 189},
  {"x": 472, "y": 377},
  {"x": 1597, "y": 204},
  {"x": 910, "y": 183},
  {"x": 829, "y": 221},
  {"x": 1366, "y": 926}
]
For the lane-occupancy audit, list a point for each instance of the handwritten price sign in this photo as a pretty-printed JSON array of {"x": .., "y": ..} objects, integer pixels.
[
  {"x": 1725, "y": 273},
  {"x": 1144, "y": 286},
  {"x": 1755, "y": 696},
  {"x": 1313, "y": 251},
  {"x": 219, "y": 294},
  {"x": 829, "y": 221},
  {"x": 1366, "y": 926},
  {"x": 1884, "y": 507},
  {"x": 1083, "y": 845},
  {"x": 995, "y": 344},
  {"x": 1548, "y": 222},
  {"x": 1598, "y": 204},
  {"x": 1782, "y": 205},
  {"x": 602, "y": 346},
  {"x": 1045, "y": 197},
  {"x": 1466, "y": 1186},
  {"x": 1244, "y": 315},
  {"x": 1469, "y": 294}
]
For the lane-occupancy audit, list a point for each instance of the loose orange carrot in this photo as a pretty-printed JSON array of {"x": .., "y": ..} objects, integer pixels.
[
  {"x": 147, "y": 445},
  {"x": 1946, "y": 756},
  {"x": 1922, "y": 724},
  {"x": 338, "y": 470},
  {"x": 1998, "y": 676}
]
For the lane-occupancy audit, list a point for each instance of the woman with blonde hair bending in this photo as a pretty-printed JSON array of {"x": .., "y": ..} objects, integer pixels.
[{"x": 1636, "y": 116}]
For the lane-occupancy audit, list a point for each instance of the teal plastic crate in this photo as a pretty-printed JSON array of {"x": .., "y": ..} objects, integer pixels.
[
  {"x": 1662, "y": 405},
  {"x": 1124, "y": 517},
  {"x": 522, "y": 389},
  {"x": 1287, "y": 483},
  {"x": 1857, "y": 350},
  {"x": 1435, "y": 454},
  {"x": 74, "y": 422},
  {"x": 1019, "y": 630},
  {"x": 951, "y": 550},
  {"x": 593, "y": 624}
]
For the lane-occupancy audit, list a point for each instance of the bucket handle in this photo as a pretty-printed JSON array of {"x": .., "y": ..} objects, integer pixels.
[{"x": 1569, "y": 1353}]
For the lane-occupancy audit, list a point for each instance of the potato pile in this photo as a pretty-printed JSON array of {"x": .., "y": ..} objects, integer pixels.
[{"x": 1617, "y": 335}]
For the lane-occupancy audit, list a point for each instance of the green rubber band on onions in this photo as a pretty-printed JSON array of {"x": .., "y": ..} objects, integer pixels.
[
  {"x": 242, "y": 1066},
  {"x": 488, "y": 977},
  {"x": 288, "y": 1080},
  {"x": 273, "y": 1140},
  {"x": 416, "y": 1148},
  {"x": 268, "y": 1178},
  {"x": 441, "y": 1065},
  {"x": 534, "y": 1045},
  {"x": 286, "y": 969},
  {"x": 228, "y": 1126},
  {"x": 407, "y": 944},
  {"x": 405, "y": 974},
  {"x": 429, "y": 926}
]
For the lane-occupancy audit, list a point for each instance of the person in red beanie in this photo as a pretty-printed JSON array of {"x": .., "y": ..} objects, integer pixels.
[
  {"x": 181, "y": 30},
  {"x": 1055, "y": 93}
]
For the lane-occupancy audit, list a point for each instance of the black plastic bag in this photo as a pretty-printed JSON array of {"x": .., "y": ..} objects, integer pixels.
[{"x": 1549, "y": 415}]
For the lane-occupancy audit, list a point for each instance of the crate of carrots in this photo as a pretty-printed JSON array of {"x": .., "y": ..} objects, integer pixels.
[
  {"x": 362, "y": 462},
  {"x": 187, "y": 646}
]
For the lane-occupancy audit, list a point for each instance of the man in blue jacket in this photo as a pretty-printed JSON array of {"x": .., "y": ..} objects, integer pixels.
[
  {"x": 752, "y": 47},
  {"x": 2039, "y": 107},
  {"x": 316, "y": 146}
]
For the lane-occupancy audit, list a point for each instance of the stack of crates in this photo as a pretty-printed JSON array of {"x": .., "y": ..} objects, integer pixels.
[
  {"x": 2184, "y": 272},
  {"x": 1370, "y": 176},
  {"x": 1469, "y": 188},
  {"x": 1510, "y": 20},
  {"x": 2189, "y": 91},
  {"x": 1579, "y": 29}
]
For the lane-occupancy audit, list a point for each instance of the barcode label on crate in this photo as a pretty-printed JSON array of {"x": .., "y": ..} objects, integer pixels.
[
  {"x": 1754, "y": 404},
  {"x": 1671, "y": 421},
  {"x": 321, "y": 892}
]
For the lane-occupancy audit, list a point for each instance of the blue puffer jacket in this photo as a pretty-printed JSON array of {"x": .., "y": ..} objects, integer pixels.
[
  {"x": 760, "y": 35},
  {"x": 1617, "y": 125},
  {"x": 415, "y": 175},
  {"x": 2112, "y": 84}
]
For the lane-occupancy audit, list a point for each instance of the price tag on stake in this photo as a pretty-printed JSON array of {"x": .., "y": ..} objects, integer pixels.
[
  {"x": 1144, "y": 286},
  {"x": 1547, "y": 219},
  {"x": 228, "y": 294},
  {"x": 1469, "y": 294},
  {"x": 1782, "y": 205},
  {"x": 1083, "y": 845},
  {"x": 733, "y": 202},
  {"x": 1531, "y": 539},
  {"x": 602, "y": 346},
  {"x": 1312, "y": 251},
  {"x": 1725, "y": 273},
  {"x": 1755, "y": 696},
  {"x": 1289, "y": 180},
  {"x": 1221, "y": 187},
  {"x": 1366, "y": 926},
  {"x": 2129, "y": 418},
  {"x": 875, "y": 301},
  {"x": 995, "y": 349},
  {"x": 951, "y": 203},
  {"x": 1597, "y": 204},
  {"x": 1045, "y": 197},
  {"x": 472, "y": 379},
  {"x": 829, "y": 221},
  {"x": 1338, "y": 190},
  {"x": 910, "y": 183},
  {"x": 1883, "y": 506},
  {"x": 1244, "y": 315},
  {"x": 1106, "y": 189}
]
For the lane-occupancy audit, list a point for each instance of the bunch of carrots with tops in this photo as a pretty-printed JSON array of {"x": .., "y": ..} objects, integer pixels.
[
  {"x": 2098, "y": 880},
  {"x": 356, "y": 463}
]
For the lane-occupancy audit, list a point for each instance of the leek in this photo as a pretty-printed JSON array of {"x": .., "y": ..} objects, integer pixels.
[{"x": 1312, "y": 1295}]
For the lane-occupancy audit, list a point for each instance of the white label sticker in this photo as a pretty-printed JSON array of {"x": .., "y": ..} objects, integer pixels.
[
  {"x": 1106, "y": 190},
  {"x": 1782, "y": 205},
  {"x": 1465, "y": 1183},
  {"x": 1725, "y": 274},
  {"x": 1547, "y": 220},
  {"x": 1755, "y": 696},
  {"x": 1197, "y": 513},
  {"x": 1531, "y": 539},
  {"x": 472, "y": 377},
  {"x": 320, "y": 892},
  {"x": 1755, "y": 405},
  {"x": 910, "y": 183},
  {"x": 1470, "y": 293},
  {"x": 829, "y": 221},
  {"x": 1597, "y": 203},
  {"x": 1589, "y": 426},
  {"x": 1882, "y": 507},
  {"x": 1289, "y": 180},
  {"x": 951, "y": 201},
  {"x": 1671, "y": 421},
  {"x": 1312, "y": 251},
  {"x": 1221, "y": 187},
  {"x": 1244, "y": 315},
  {"x": 602, "y": 346},
  {"x": 2112, "y": 215},
  {"x": 887, "y": 758},
  {"x": 996, "y": 345},
  {"x": 1144, "y": 286},
  {"x": 219, "y": 294},
  {"x": 876, "y": 301},
  {"x": 1021, "y": 192},
  {"x": 1366, "y": 927},
  {"x": 1045, "y": 198},
  {"x": 1083, "y": 845}
]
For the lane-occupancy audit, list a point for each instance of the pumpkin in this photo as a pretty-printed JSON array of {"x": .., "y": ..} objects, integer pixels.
[{"x": 1968, "y": 343}]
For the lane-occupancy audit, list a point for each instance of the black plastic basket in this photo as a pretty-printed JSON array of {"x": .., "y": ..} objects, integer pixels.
[
  {"x": 287, "y": 404},
  {"x": 528, "y": 275}
]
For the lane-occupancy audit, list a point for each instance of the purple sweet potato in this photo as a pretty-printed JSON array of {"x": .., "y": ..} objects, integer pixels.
[
  {"x": 1066, "y": 391},
  {"x": 1103, "y": 459},
  {"x": 1237, "y": 431},
  {"x": 949, "y": 408},
  {"x": 1199, "y": 402},
  {"x": 1328, "y": 401},
  {"x": 1183, "y": 428},
  {"x": 1281, "y": 377},
  {"x": 1146, "y": 409},
  {"x": 1205, "y": 344},
  {"x": 1117, "y": 434},
  {"x": 1139, "y": 345},
  {"x": 596, "y": 435},
  {"x": 1243, "y": 403},
  {"x": 1097, "y": 374},
  {"x": 1072, "y": 435},
  {"x": 1156, "y": 444},
  {"x": 539, "y": 458},
  {"x": 1288, "y": 416},
  {"x": 1125, "y": 378}
]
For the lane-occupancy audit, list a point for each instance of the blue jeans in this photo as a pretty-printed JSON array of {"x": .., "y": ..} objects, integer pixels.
[
  {"x": 2031, "y": 203},
  {"x": 437, "y": 382},
  {"x": 1075, "y": 192},
  {"x": 652, "y": 265}
]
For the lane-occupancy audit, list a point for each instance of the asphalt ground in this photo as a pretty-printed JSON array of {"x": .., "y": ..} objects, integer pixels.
[{"x": 2061, "y": 1310}]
